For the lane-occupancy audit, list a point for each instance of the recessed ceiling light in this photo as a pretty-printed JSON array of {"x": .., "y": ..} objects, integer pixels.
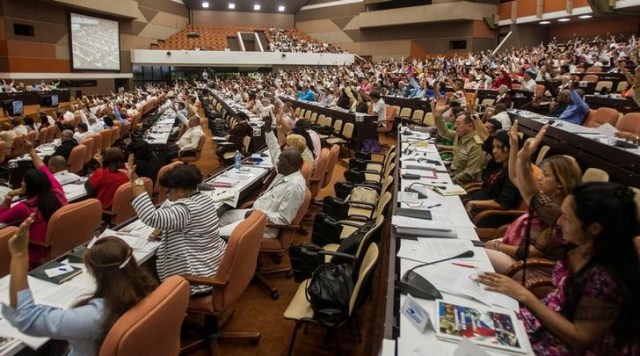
[
  {"x": 563, "y": 20},
  {"x": 256, "y": 7},
  {"x": 205, "y": 4},
  {"x": 586, "y": 16},
  {"x": 281, "y": 8},
  {"x": 544, "y": 22},
  {"x": 231, "y": 6}
]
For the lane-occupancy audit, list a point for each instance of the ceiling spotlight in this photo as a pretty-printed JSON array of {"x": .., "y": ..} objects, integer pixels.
[
  {"x": 205, "y": 4},
  {"x": 544, "y": 22},
  {"x": 585, "y": 16},
  {"x": 256, "y": 7},
  {"x": 281, "y": 8},
  {"x": 231, "y": 6},
  {"x": 563, "y": 20}
]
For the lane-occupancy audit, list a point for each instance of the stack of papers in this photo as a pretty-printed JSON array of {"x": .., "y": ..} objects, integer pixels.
[{"x": 421, "y": 227}]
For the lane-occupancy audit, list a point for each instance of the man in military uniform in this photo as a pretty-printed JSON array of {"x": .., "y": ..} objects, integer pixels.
[{"x": 468, "y": 156}]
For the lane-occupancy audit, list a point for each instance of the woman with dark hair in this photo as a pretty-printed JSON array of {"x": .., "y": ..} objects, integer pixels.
[
  {"x": 594, "y": 309},
  {"x": 543, "y": 192},
  {"x": 497, "y": 191},
  {"x": 108, "y": 121},
  {"x": 120, "y": 284},
  {"x": 147, "y": 162},
  {"x": 105, "y": 181},
  {"x": 187, "y": 223},
  {"x": 343, "y": 101},
  {"x": 44, "y": 195}
]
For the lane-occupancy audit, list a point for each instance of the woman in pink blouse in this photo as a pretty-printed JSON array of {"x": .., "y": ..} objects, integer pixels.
[{"x": 44, "y": 195}]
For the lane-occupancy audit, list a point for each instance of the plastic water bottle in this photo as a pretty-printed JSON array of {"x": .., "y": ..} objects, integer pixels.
[{"x": 238, "y": 160}]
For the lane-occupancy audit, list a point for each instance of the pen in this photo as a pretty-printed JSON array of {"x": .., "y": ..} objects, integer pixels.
[
  {"x": 434, "y": 206},
  {"x": 462, "y": 265}
]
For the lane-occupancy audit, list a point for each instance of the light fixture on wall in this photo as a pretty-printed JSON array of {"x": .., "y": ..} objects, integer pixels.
[
  {"x": 256, "y": 7},
  {"x": 231, "y": 6},
  {"x": 544, "y": 22},
  {"x": 281, "y": 8},
  {"x": 205, "y": 4},
  {"x": 585, "y": 17},
  {"x": 563, "y": 20}
]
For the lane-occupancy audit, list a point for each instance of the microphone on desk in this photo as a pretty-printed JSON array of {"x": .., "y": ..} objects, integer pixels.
[
  {"x": 406, "y": 150},
  {"x": 418, "y": 286}
]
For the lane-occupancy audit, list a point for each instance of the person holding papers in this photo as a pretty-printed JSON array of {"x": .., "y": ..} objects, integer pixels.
[
  {"x": 559, "y": 176},
  {"x": 468, "y": 157},
  {"x": 187, "y": 224},
  {"x": 44, "y": 196},
  {"x": 594, "y": 308},
  {"x": 120, "y": 284}
]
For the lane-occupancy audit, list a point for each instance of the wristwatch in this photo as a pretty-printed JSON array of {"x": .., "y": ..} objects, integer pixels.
[{"x": 138, "y": 182}]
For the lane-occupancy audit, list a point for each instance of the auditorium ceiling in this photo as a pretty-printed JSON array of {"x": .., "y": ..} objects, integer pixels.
[{"x": 272, "y": 6}]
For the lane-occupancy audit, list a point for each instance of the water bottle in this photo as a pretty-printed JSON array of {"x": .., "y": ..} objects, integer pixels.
[{"x": 238, "y": 160}]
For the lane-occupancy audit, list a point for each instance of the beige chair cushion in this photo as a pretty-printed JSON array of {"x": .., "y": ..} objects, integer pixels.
[{"x": 299, "y": 306}]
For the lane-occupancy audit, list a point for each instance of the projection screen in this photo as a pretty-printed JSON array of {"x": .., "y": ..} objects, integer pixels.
[{"x": 95, "y": 43}]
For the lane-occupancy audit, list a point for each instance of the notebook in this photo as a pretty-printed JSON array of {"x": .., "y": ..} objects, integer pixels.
[{"x": 41, "y": 272}]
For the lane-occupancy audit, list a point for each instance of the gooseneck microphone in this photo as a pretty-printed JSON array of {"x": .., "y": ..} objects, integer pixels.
[
  {"x": 416, "y": 285},
  {"x": 466, "y": 254}
]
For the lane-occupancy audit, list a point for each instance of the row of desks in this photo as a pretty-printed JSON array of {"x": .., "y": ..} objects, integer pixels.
[{"x": 135, "y": 233}]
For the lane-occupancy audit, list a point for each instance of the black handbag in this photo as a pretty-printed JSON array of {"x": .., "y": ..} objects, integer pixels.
[
  {"x": 326, "y": 230},
  {"x": 329, "y": 293},
  {"x": 354, "y": 176},
  {"x": 357, "y": 163}
]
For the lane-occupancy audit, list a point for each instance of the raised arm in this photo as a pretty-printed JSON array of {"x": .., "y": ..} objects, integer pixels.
[
  {"x": 513, "y": 154},
  {"x": 37, "y": 161},
  {"x": 528, "y": 186}
]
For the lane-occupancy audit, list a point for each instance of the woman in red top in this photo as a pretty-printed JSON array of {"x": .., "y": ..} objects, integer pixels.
[
  {"x": 105, "y": 181},
  {"x": 44, "y": 195}
]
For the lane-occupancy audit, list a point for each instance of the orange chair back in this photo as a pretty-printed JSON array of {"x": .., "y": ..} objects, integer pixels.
[
  {"x": 73, "y": 225},
  {"x": 321, "y": 170},
  {"x": 306, "y": 171},
  {"x": 18, "y": 148},
  {"x": 76, "y": 158},
  {"x": 137, "y": 331},
  {"x": 89, "y": 142},
  {"x": 106, "y": 139},
  {"x": 603, "y": 116},
  {"x": 158, "y": 190},
  {"x": 31, "y": 136},
  {"x": 97, "y": 144},
  {"x": 121, "y": 207},
  {"x": 5, "y": 255},
  {"x": 51, "y": 133},
  {"x": 239, "y": 262},
  {"x": 334, "y": 153},
  {"x": 115, "y": 133},
  {"x": 628, "y": 124},
  {"x": 285, "y": 236}
]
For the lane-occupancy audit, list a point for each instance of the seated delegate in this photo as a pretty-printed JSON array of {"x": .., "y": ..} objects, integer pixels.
[
  {"x": 186, "y": 224},
  {"x": 44, "y": 196},
  {"x": 594, "y": 308},
  {"x": 120, "y": 284},
  {"x": 104, "y": 182},
  {"x": 559, "y": 176},
  {"x": 280, "y": 202}
]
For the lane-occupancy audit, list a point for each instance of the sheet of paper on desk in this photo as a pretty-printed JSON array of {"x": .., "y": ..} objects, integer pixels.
[
  {"x": 403, "y": 221},
  {"x": 74, "y": 191},
  {"x": 607, "y": 130},
  {"x": 462, "y": 281},
  {"x": 9, "y": 331},
  {"x": 435, "y": 249},
  {"x": 408, "y": 346}
]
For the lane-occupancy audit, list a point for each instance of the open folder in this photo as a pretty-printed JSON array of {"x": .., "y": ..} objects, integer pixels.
[{"x": 46, "y": 272}]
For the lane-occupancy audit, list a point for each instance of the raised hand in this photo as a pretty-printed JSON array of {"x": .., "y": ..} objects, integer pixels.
[
  {"x": 440, "y": 107},
  {"x": 19, "y": 242}
]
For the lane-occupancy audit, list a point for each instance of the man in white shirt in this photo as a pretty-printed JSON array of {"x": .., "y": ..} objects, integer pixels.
[
  {"x": 82, "y": 132},
  {"x": 58, "y": 166},
  {"x": 528, "y": 83},
  {"x": 378, "y": 108},
  {"x": 280, "y": 202},
  {"x": 189, "y": 141}
]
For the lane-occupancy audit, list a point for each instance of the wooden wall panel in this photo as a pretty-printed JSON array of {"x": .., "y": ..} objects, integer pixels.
[
  {"x": 504, "y": 10},
  {"x": 593, "y": 27},
  {"x": 526, "y": 8},
  {"x": 554, "y": 5},
  {"x": 27, "y": 64},
  {"x": 481, "y": 30},
  {"x": 31, "y": 49}
]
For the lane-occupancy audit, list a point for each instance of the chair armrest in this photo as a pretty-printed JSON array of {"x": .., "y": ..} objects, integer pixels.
[
  {"x": 39, "y": 243},
  {"x": 472, "y": 187},
  {"x": 108, "y": 212},
  {"x": 494, "y": 212},
  {"x": 531, "y": 262},
  {"x": 356, "y": 202},
  {"x": 209, "y": 281},
  {"x": 246, "y": 204},
  {"x": 285, "y": 227},
  {"x": 538, "y": 282},
  {"x": 353, "y": 222}
]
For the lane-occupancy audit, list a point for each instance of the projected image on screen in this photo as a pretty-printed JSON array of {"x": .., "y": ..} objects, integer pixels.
[{"x": 94, "y": 43}]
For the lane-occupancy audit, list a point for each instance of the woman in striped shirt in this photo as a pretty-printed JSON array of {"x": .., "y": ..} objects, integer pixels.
[{"x": 187, "y": 223}]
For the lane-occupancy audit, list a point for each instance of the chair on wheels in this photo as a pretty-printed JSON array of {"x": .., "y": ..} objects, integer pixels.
[
  {"x": 279, "y": 245},
  {"x": 234, "y": 274},
  {"x": 151, "y": 327},
  {"x": 299, "y": 308}
]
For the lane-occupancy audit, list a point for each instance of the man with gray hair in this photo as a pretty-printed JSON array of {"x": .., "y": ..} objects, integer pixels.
[
  {"x": 58, "y": 166},
  {"x": 67, "y": 143}
]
